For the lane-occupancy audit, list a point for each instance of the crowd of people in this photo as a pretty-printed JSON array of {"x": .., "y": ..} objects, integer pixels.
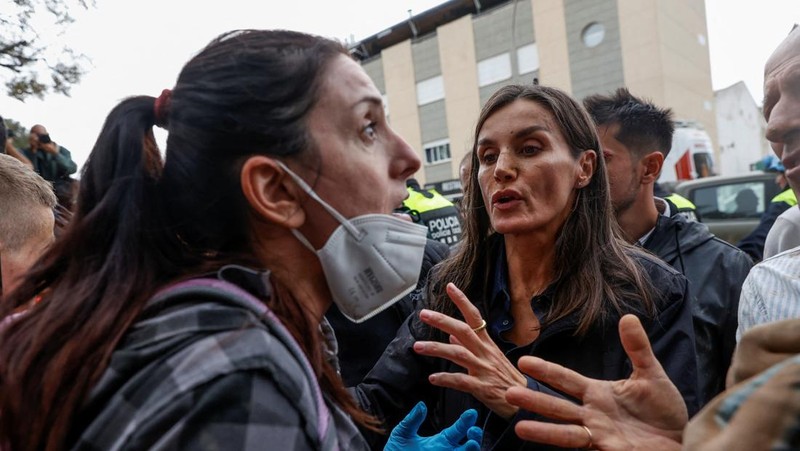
[{"x": 314, "y": 296}]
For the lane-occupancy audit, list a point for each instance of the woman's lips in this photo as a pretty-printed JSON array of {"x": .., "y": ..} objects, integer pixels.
[{"x": 506, "y": 199}]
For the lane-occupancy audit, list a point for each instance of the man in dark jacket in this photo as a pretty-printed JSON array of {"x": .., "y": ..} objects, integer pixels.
[
  {"x": 636, "y": 137},
  {"x": 753, "y": 243}
]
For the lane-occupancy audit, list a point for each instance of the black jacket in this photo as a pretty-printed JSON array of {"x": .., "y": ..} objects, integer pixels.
[
  {"x": 399, "y": 379},
  {"x": 361, "y": 345},
  {"x": 716, "y": 271},
  {"x": 753, "y": 243}
]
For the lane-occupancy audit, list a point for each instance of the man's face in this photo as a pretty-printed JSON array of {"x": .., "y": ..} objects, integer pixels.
[
  {"x": 33, "y": 136},
  {"x": 782, "y": 105},
  {"x": 623, "y": 171}
]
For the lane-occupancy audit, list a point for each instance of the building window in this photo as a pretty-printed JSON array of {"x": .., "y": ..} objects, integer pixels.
[
  {"x": 528, "y": 58},
  {"x": 430, "y": 90},
  {"x": 494, "y": 69},
  {"x": 593, "y": 34},
  {"x": 437, "y": 152}
]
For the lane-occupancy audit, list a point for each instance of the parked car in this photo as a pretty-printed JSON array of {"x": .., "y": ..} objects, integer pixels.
[{"x": 731, "y": 206}]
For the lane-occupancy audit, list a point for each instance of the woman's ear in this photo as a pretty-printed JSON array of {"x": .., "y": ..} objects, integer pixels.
[
  {"x": 271, "y": 193},
  {"x": 587, "y": 162}
]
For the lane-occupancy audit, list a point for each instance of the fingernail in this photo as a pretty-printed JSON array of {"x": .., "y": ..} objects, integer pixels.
[
  {"x": 425, "y": 314},
  {"x": 420, "y": 346}
]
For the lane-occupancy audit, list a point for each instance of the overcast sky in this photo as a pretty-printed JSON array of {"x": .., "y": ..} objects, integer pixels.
[{"x": 138, "y": 47}]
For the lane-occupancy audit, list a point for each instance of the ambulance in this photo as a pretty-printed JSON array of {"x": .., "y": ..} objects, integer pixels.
[{"x": 691, "y": 156}]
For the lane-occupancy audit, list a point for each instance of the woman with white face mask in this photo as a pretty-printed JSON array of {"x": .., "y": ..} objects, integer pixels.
[{"x": 183, "y": 307}]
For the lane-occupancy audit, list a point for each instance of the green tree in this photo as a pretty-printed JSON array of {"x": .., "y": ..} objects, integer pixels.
[
  {"x": 29, "y": 66},
  {"x": 17, "y": 132}
]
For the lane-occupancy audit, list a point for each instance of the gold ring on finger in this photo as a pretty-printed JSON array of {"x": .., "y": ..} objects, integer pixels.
[
  {"x": 481, "y": 327},
  {"x": 591, "y": 439}
]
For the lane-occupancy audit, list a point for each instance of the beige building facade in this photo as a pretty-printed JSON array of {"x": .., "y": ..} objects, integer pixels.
[{"x": 436, "y": 70}]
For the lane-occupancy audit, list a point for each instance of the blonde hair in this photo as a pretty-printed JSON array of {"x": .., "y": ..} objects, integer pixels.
[{"x": 21, "y": 192}]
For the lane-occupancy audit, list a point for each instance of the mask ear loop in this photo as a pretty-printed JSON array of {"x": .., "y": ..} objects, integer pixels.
[{"x": 342, "y": 220}]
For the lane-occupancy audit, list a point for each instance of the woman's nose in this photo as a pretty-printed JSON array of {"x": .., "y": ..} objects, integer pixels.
[
  {"x": 505, "y": 167},
  {"x": 406, "y": 161}
]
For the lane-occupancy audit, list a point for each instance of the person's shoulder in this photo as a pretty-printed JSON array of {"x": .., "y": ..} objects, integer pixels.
[
  {"x": 651, "y": 264},
  {"x": 791, "y": 217},
  {"x": 727, "y": 250},
  {"x": 667, "y": 282},
  {"x": 698, "y": 236},
  {"x": 787, "y": 261}
]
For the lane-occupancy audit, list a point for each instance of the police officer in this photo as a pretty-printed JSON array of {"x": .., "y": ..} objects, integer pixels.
[
  {"x": 682, "y": 206},
  {"x": 753, "y": 243},
  {"x": 677, "y": 204},
  {"x": 428, "y": 207}
]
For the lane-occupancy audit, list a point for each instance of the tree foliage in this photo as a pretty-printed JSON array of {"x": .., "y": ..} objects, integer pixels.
[
  {"x": 28, "y": 65},
  {"x": 17, "y": 132}
]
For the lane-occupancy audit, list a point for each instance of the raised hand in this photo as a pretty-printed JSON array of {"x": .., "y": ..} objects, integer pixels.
[
  {"x": 489, "y": 372},
  {"x": 643, "y": 412}
]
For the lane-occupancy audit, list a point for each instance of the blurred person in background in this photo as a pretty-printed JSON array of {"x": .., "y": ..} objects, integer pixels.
[
  {"x": 754, "y": 243},
  {"x": 434, "y": 211},
  {"x": 53, "y": 162}
]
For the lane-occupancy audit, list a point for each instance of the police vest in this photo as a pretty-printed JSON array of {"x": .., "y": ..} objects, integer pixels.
[
  {"x": 683, "y": 207},
  {"x": 787, "y": 196},
  {"x": 435, "y": 212}
]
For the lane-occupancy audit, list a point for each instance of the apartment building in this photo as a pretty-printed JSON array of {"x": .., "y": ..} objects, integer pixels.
[{"x": 437, "y": 69}]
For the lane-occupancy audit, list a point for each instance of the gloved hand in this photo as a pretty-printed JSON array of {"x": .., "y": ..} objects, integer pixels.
[{"x": 404, "y": 436}]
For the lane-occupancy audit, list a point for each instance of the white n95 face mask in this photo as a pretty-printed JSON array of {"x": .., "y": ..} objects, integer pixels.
[{"x": 370, "y": 261}]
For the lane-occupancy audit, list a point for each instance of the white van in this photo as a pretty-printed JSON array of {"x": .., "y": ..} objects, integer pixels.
[{"x": 691, "y": 156}]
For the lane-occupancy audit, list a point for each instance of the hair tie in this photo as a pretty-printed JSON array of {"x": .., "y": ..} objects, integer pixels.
[{"x": 161, "y": 108}]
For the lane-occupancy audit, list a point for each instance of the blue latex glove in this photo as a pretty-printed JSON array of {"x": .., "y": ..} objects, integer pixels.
[{"x": 405, "y": 437}]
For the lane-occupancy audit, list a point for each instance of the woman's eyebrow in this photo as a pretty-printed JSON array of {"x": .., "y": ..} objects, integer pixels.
[
  {"x": 530, "y": 130},
  {"x": 525, "y": 132}
]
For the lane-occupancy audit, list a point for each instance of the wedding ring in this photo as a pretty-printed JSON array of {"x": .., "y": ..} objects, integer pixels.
[
  {"x": 591, "y": 439},
  {"x": 481, "y": 327}
]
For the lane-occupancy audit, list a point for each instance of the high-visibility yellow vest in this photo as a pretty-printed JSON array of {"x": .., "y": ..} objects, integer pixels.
[
  {"x": 681, "y": 202},
  {"x": 435, "y": 212},
  {"x": 421, "y": 203},
  {"x": 787, "y": 196}
]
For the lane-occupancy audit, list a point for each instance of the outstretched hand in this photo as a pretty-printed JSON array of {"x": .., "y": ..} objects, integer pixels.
[
  {"x": 405, "y": 437},
  {"x": 762, "y": 347},
  {"x": 645, "y": 411},
  {"x": 489, "y": 372}
]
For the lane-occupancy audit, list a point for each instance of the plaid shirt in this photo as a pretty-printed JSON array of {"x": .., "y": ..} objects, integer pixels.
[{"x": 208, "y": 367}]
